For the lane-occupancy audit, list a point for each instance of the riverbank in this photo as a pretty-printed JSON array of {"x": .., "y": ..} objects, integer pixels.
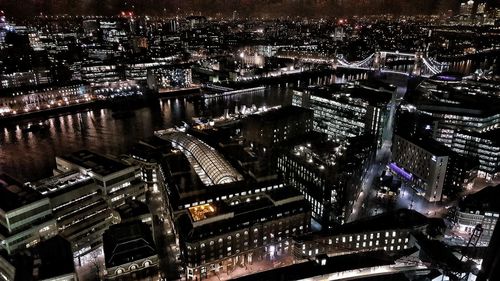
[{"x": 121, "y": 103}]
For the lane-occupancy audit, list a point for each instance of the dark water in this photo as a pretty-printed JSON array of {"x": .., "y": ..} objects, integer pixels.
[{"x": 29, "y": 156}]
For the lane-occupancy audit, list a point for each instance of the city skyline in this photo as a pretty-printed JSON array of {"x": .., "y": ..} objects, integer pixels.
[
  {"x": 249, "y": 140},
  {"x": 258, "y": 8}
]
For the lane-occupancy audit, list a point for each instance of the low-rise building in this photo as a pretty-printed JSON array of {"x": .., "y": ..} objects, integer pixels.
[
  {"x": 387, "y": 232},
  {"x": 220, "y": 236},
  {"x": 129, "y": 251},
  {"x": 39, "y": 97}
]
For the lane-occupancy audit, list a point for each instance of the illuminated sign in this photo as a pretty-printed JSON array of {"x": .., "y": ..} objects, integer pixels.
[{"x": 400, "y": 171}]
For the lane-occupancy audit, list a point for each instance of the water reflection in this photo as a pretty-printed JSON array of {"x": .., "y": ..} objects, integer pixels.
[{"x": 30, "y": 155}]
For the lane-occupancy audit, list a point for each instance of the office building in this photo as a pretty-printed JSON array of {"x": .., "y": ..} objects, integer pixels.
[
  {"x": 344, "y": 113},
  {"x": 327, "y": 173},
  {"x": 466, "y": 119},
  {"x": 100, "y": 74},
  {"x": 118, "y": 181},
  {"x": 276, "y": 126},
  {"x": 427, "y": 165},
  {"x": 485, "y": 147},
  {"x": 25, "y": 216},
  {"x": 81, "y": 211},
  {"x": 162, "y": 78},
  {"x": 30, "y": 78}
]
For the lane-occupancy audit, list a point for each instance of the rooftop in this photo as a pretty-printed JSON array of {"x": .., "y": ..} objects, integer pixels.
[
  {"x": 431, "y": 145},
  {"x": 237, "y": 212},
  {"x": 209, "y": 164},
  {"x": 400, "y": 219},
  {"x": 99, "y": 164},
  {"x": 332, "y": 265},
  {"x": 56, "y": 185},
  {"x": 132, "y": 209},
  {"x": 14, "y": 195},
  {"x": 464, "y": 98},
  {"x": 127, "y": 242},
  {"x": 485, "y": 200},
  {"x": 351, "y": 94},
  {"x": 273, "y": 115}
]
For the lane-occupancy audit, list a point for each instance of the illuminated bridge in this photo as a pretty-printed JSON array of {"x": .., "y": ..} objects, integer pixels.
[
  {"x": 210, "y": 166},
  {"x": 385, "y": 61}
]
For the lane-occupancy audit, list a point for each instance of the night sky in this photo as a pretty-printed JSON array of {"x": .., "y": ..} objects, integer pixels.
[{"x": 14, "y": 8}]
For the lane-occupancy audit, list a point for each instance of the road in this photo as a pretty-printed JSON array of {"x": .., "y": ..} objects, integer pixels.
[
  {"x": 383, "y": 155},
  {"x": 164, "y": 237}
]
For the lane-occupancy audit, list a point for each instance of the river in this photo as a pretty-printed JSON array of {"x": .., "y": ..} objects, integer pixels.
[{"x": 29, "y": 156}]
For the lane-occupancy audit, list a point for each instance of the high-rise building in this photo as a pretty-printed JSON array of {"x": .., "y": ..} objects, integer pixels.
[
  {"x": 466, "y": 8},
  {"x": 25, "y": 216},
  {"x": 277, "y": 125},
  {"x": 466, "y": 118},
  {"x": 327, "y": 173},
  {"x": 342, "y": 114},
  {"x": 430, "y": 166}
]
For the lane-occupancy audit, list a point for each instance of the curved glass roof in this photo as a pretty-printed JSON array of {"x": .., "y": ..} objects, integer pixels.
[{"x": 214, "y": 166}]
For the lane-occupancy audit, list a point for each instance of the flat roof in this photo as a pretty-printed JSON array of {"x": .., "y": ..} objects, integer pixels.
[
  {"x": 343, "y": 92},
  {"x": 399, "y": 219},
  {"x": 332, "y": 265},
  {"x": 14, "y": 194},
  {"x": 241, "y": 212},
  {"x": 273, "y": 115},
  {"x": 99, "y": 164},
  {"x": 485, "y": 200},
  {"x": 429, "y": 144},
  {"x": 132, "y": 209},
  {"x": 57, "y": 185}
]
